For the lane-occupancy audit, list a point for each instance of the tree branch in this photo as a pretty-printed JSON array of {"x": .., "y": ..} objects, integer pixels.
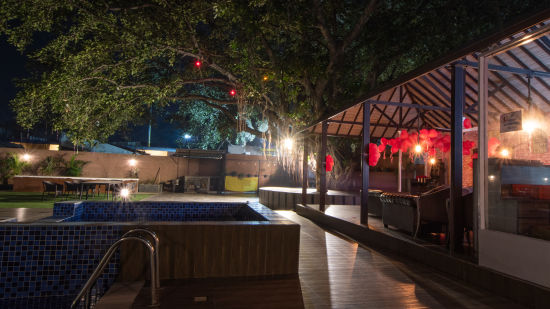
[
  {"x": 202, "y": 98},
  {"x": 358, "y": 26},
  {"x": 131, "y": 8}
]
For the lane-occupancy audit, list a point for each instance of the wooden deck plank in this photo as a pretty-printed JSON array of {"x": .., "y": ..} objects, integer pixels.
[{"x": 333, "y": 273}]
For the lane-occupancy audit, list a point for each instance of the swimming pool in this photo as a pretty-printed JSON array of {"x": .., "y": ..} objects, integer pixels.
[{"x": 47, "y": 262}]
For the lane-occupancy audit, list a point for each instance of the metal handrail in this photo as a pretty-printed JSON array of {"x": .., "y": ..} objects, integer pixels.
[
  {"x": 99, "y": 269},
  {"x": 156, "y": 242}
]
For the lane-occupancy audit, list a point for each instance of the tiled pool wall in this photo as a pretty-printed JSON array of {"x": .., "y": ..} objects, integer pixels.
[
  {"x": 154, "y": 211},
  {"x": 51, "y": 261}
]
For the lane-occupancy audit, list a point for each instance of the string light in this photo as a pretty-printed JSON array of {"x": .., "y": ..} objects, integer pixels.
[
  {"x": 266, "y": 78},
  {"x": 232, "y": 92},
  {"x": 198, "y": 63}
]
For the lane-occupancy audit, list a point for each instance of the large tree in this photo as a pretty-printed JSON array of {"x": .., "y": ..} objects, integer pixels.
[{"x": 100, "y": 65}]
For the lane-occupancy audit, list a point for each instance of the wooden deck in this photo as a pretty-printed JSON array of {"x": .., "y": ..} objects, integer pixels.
[{"x": 334, "y": 273}]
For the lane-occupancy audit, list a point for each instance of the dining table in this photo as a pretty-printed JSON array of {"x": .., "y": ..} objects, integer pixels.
[{"x": 98, "y": 183}]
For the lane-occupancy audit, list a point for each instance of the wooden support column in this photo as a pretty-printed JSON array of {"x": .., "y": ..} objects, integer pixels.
[
  {"x": 400, "y": 154},
  {"x": 364, "y": 217},
  {"x": 456, "y": 227},
  {"x": 323, "y": 172},
  {"x": 305, "y": 173}
]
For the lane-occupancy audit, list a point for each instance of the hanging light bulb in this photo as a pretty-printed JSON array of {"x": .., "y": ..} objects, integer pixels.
[
  {"x": 418, "y": 148},
  {"x": 505, "y": 153}
]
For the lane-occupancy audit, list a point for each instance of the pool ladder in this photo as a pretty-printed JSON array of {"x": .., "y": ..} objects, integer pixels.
[{"x": 134, "y": 234}]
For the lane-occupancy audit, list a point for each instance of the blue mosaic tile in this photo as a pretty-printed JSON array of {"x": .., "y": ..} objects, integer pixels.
[{"x": 53, "y": 260}]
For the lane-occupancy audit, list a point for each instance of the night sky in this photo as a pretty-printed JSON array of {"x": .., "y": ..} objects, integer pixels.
[{"x": 13, "y": 66}]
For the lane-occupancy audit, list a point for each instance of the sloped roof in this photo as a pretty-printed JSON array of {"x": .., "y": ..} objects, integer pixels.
[{"x": 510, "y": 74}]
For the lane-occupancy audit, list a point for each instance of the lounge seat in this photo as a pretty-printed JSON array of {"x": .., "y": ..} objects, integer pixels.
[
  {"x": 375, "y": 205},
  {"x": 410, "y": 212}
]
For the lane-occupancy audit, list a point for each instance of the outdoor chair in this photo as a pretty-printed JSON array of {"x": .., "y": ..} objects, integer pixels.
[
  {"x": 72, "y": 187},
  {"x": 51, "y": 187}
]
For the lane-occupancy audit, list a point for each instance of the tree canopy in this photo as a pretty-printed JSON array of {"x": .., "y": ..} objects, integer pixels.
[{"x": 98, "y": 66}]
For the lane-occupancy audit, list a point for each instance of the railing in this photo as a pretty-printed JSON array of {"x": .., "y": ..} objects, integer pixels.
[{"x": 85, "y": 292}]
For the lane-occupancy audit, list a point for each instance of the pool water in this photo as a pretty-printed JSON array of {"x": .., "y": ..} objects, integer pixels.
[{"x": 154, "y": 211}]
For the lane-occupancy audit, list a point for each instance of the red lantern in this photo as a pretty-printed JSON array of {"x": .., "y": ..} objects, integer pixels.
[
  {"x": 329, "y": 163},
  {"x": 374, "y": 154}
]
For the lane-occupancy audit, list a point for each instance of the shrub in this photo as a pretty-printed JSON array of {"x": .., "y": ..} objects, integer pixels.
[
  {"x": 74, "y": 167},
  {"x": 11, "y": 165}
]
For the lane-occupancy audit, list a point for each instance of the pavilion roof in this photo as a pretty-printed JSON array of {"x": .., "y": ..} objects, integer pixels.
[{"x": 395, "y": 105}]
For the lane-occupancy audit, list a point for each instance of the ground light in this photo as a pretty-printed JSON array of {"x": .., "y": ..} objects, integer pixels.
[{"x": 26, "y": 157}]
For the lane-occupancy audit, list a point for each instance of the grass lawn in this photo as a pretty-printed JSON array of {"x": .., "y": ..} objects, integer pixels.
[{"x": 9, "y": 199}]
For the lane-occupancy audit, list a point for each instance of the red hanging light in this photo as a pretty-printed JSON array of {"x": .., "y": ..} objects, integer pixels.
[{"x": 232, "y": 92}]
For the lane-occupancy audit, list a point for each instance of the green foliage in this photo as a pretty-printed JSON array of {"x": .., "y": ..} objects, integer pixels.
[
  {"x": 99, "y": 66},
  {"x": 74, "y": 167},
  {"x": 51, "y": 165},
  {"x": 11, "y": 165}
]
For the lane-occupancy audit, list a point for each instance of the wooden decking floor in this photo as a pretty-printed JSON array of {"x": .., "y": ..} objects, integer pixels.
[{"x": 333, "y": 273}]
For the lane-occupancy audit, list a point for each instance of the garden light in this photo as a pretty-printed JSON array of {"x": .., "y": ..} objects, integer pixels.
[
  {"x": 288, "y": 143},
  {"x": 26, "y": 157},
  {"x": 132, "y": 162},
  {"x": 124, "y": 193}
]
